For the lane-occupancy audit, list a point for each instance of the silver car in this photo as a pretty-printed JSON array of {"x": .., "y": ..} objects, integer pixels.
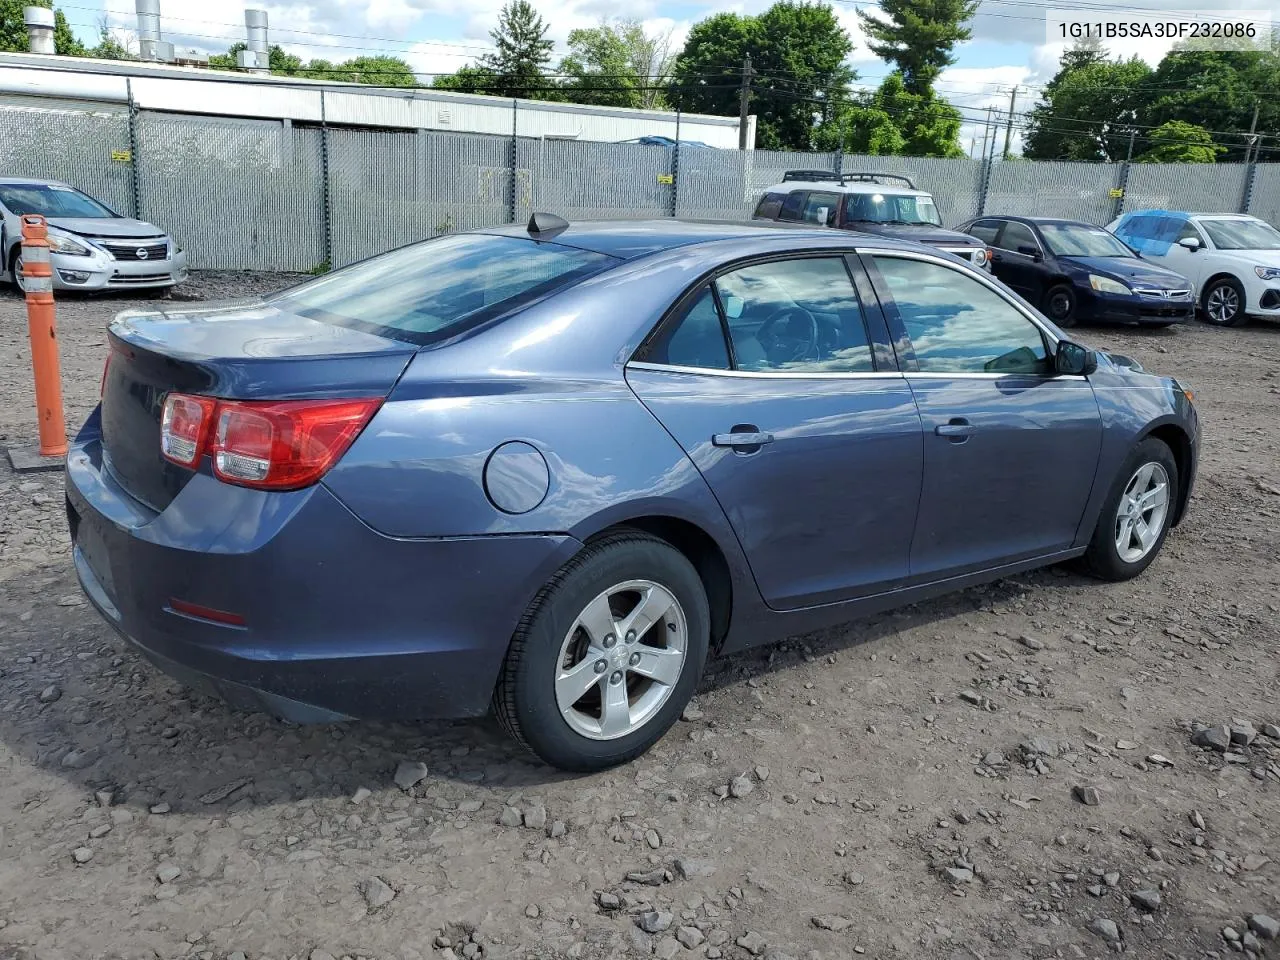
[{"x": 92, "y": 247}]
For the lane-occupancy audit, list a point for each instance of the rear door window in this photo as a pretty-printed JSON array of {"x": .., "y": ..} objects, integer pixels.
[
  {"x": 820, "y": 208},
  {"x": 793, "y": 206},
  {"x": 986, "y": 230},
  {"x": 433, "y": 290},
  {"x": 1016, "y": 236},
  {"x": 770, "y": 206}
]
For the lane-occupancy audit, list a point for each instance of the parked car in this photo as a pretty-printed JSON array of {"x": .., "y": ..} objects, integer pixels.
[
  {"x": 657, "y": 140},
  {"x": 555, "y": 468},
  {"x": 1077, "y": 272},
  {"x": 883, "y": 204},
  {"x": 92, "y": 247},
  {"x": 1231, "y": 259}
]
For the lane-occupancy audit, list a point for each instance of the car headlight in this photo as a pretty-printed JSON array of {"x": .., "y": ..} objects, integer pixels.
[
  {"x": 1107, "y": 285},
  {"x": 1267, "y": 273},
  {"x": 980, "y": 256},
  {"x": 58, "y": 243}
]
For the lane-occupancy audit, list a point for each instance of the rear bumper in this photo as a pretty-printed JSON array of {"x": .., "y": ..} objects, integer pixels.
[{"x": 339, "y": 621}]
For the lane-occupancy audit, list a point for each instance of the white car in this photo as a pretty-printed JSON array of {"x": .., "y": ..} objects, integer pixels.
[
  {"x": 91, "y": 246},
  {"x": 1231, "y": 259}
]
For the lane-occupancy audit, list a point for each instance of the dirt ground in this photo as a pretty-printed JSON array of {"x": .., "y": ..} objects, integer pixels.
[{"x": 876, "y": 812}]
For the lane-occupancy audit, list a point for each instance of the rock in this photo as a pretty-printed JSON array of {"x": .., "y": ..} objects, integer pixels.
[
  {"x": 762, "y": 772},
  {"x": 1251, "y": 942},
  {"x": 752, "y": 942},
  {"x": 1229, "y": 933},
  {"x": 688, "y": 868},
  {"x": 1254, "y": 861},
  {"x": 82, "y": 854},
  {"x": 1031, "y": 643},
  {"x": 1087, "y": 795},
  {"x": 1270, "y": 730},
  {"x": 448, "y": 954},
  {"x": 470, "y": 806},
  {"x": 535, "y": 818},
  {"x": 691, "y": 714},
  {"x": 511, "y": 817},
  {"x": 80, "y": 759},
  {"x": 971, "y": 696},
  {"x": 1197, "y": 819},
  {"x": 226, "y": 790},
  {"x": 533, "y": 911},
  {"x": 1242, "y": 733},
  {"x": 320, "y": 955},
  {"x": 1041, "y": 747},
  {"x": 1216, "y": 738},
  {"x": 740, "y": 787},
  {"x": 1127, "y": 745},
  {"x": 1097, "y": 890},
  {"x": 1106, "y": 929},
  {"x": 376, "y": 893},
  {"x": 51, "y": 693},
  {"x": 994, "y": 759},
  {"x": 1148, "y": 900},
  {"x": 1159, "y": 760},
  {"x": 959, "y": 874},
  {"x": 159, "y": 809},
  {"x": 833, "y": 923},
  {"x": 1264, "y": 926},
  {"x": 361, "y": 795},
  {"x": 1111, "y": 878},
  {"x": 690, "y": 937},
  {"x": 608, "y": 901},
  {"x": 557, "y": 829},
  {"x": 668, "y": 948},
  {"x": 652, "y": 840},
  {"x": 655, "y": 921},
  {"x": 105, "y": 798},
  {"x": 853, "y": 878},
  {"x": 168, "y": 873},
  {"x": 409, "y": 773},
  {"x": 238, "y": 955}
]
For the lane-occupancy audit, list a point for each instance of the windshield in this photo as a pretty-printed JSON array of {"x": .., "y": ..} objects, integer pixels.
[
  {"x": 1242, "y": 234},
  {"x": 432, "y": 290},
  {"x": 51, "y": 200},
  {"x": 1076, "y": 240},
  {"x": 891, "y": 208}
]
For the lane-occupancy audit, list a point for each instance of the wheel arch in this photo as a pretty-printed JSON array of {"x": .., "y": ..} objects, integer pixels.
[{"x": 1178, "y": 441}]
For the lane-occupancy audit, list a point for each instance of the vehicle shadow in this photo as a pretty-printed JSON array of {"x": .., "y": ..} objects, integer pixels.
[{"x": 86, "y": 707}]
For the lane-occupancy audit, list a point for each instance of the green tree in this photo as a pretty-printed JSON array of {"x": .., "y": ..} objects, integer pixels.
[
  {"x": 281, "y": 63},
  {"x": 376, "y": 71},
  {"x": 918, "y": 37},
  {"x": 1086, "y": 112},
  {"x": 108, "y": 47},
  {"x": 1180, "y": 142},
  {"x": 798, "y": 51},
  {"x": 616, "y": 64},
  {"x": 522, "y": 53},
  {"x": 13, "y": 30},
  {"x": 468, "y": 79}
]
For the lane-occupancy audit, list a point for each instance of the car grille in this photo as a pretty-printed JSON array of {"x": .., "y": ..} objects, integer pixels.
[
  {"x": 130, "y": 251},
  {"x": 1162, "y": 294},
  {"x": 136, "y": 278}
]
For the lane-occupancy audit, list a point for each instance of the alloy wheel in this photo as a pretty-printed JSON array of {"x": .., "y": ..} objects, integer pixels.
[
  {"x": 1222, "y": 304},
  {"x": 621, "y": 660},
  {"x": 1141, "y": 515}
]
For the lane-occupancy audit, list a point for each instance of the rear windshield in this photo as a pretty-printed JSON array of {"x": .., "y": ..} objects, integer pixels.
[
  {"x": 433, "y": 290},
  {"x": 50, "y": 200}
]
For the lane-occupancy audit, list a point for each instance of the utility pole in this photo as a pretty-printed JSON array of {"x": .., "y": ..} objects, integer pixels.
[
  {"x": 986, "y": 134},
  {"x": 1008, "y": 128},
  {"x": 1253, "y": 126},
  {"x": 744, "y": 97}
]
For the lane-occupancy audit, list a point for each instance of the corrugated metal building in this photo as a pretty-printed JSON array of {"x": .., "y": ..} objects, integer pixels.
[{"x": 104, "y": 85}]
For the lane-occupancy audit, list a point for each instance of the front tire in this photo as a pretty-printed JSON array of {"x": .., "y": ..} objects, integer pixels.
[
  {"x": 1136, "y": 517},
  {"x": 15, "y": 270},
  {"x": 1223, "y": 303},
  {"x": 1060, "y": 305},
  {"x": 607, "y": 656}
]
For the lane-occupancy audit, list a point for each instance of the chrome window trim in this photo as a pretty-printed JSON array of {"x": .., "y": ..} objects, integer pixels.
[
  {"x": 763, "y": 374},
  {"x": 961, "y": 375}
]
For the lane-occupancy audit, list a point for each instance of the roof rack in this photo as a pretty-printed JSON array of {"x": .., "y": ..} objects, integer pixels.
[
  {"x": 826, "y": 175},
  {"x": 876, "y": 177}
]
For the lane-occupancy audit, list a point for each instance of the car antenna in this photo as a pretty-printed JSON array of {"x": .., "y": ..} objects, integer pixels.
[{"x": 546, "y": 225}]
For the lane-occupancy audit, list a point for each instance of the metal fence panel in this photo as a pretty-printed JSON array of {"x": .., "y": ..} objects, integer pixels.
[
  {"x": 584, "y": 180},
  {"x": 389, "y": 189},
  {"x": 72, "y": 146},
  {"x": 1055, "y": 188},
  {"x": 712, "y": 185},
  {"x": 956, "y": 185},
  {"x": 1207, "y": 187},
  {"x": 235, "y": 194},
  {"x": 1265, "y": 201}
]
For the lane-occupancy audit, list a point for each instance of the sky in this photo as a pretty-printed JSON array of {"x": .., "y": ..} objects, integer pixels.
[{"x": 1009, "y": 48}]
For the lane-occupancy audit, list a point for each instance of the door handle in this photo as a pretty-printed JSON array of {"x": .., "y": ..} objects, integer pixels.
[
  {"x": 741, "y": 439},
  {"x": 958, "y": 430}
]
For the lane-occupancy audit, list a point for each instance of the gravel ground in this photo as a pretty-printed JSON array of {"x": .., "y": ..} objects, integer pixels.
[{"x": 1010, "y": 772}]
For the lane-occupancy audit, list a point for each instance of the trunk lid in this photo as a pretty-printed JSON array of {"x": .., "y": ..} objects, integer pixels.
[{"x": 246, "y": 352}]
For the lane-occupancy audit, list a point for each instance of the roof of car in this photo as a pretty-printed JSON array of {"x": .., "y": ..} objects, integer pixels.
[
  {"x": 1190, "y": 213},
  {"x": 627, "y": 239},
  {"x": 1033, "y": 220},
  {"x": 857, "y": 186},
  {"x": 38, "y": 180}
]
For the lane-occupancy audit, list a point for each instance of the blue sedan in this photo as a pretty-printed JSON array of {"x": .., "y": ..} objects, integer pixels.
[
  {"x": 1076, "y": 272},
  {"x": 551, "y": 470}
]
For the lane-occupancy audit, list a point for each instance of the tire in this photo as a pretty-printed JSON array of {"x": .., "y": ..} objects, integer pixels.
[
  {"x": 1104, "y": 558},
  {"x": 1060, "y": 305},
  {"x": 1216, "y": 300},
  {"x": 15, "y": 269},
  {"x": 534, "y": 697}
]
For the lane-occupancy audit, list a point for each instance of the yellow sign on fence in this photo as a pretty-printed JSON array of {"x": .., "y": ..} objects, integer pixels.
[
  {"x": 666, "y": 178},
  {"x": 121, "y": 156},
  {"x": 1116, "y": 193}
]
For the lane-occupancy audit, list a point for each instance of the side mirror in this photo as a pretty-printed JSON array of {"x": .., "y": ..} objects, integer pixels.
[
  {"x": 1074, "y": 360},
  {"x": 1189, "y": 243},
  {"x": 1031, "y": 252}
]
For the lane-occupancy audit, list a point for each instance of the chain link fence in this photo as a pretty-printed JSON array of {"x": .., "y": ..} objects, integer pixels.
[{"x": 275, "y": 195}]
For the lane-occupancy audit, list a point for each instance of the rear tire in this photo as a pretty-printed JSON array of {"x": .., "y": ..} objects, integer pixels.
[
  {"x": 15, "y": 269},
  {"x": 1223, "y": 302},
  {"x": 1060, "y": 305},
  {"x": 580, "y": 690},
  {"x": 1137, "y": 514}
]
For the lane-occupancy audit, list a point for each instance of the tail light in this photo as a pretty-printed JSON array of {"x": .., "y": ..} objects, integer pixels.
[{"x": 275, "y": 445}]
